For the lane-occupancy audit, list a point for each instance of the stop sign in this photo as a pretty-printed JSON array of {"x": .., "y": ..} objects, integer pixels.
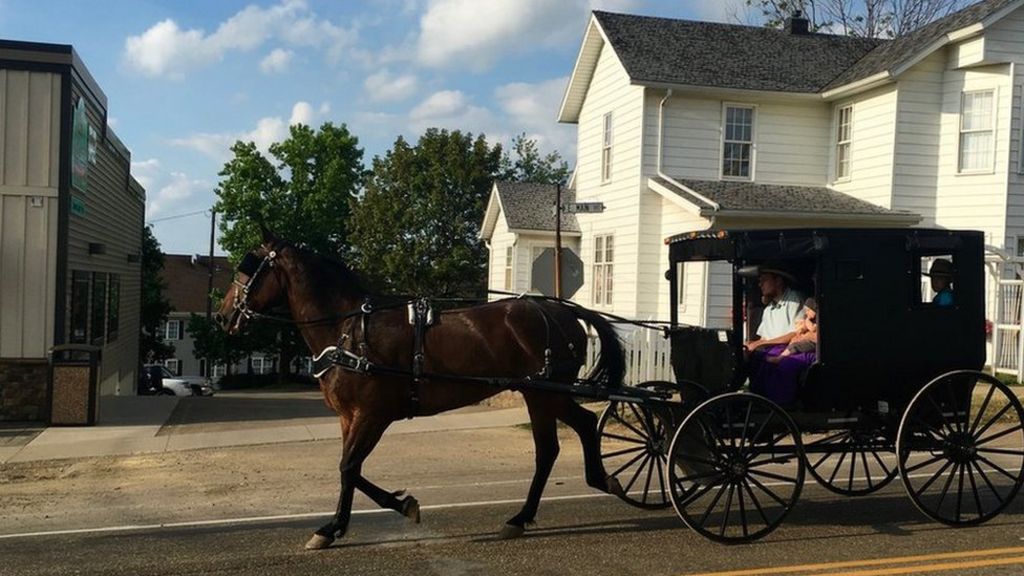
[{"x": 544, "y": 272}]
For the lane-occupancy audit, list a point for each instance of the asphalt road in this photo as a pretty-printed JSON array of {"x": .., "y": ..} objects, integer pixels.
[{"x": 468, "y": 483}]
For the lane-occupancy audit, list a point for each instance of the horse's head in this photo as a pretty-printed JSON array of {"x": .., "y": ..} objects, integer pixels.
[{"x": 257, "y": 286}]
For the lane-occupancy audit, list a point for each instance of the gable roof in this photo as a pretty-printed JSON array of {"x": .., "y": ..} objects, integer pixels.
[
  {"x": 186, "y": 277},
  {"x": 670, "y": 52},
  {"x": 526, "y": 207},
  {"x": 683, "y": 52},
  {"x": 776, "y": 199}
]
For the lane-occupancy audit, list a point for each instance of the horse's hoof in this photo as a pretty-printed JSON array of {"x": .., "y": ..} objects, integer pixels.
[
  {"x": 411, "y": 509},
  {"x": 319, "y": 542},
  {"x": 510, "y": 531},
  {"x": 614, "y": 487}
]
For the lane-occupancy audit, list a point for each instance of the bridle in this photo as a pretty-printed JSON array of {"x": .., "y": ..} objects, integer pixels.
[{"x": 253, "y": 267}]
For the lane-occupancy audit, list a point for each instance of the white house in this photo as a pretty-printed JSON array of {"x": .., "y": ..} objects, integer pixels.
[{"x": 686, "y": 126}]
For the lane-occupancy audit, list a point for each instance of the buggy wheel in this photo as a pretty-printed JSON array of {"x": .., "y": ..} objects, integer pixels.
[
  {"x": 735, "y": 468},
  {"x": 960, "y": 448},
  {"x": 851, "y": 462},
  {"x": 634, "y": 440}
]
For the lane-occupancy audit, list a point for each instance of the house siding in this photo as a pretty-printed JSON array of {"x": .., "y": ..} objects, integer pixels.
[
  {"x": 610, "y": 91},
  {"x": 918, "y": 137},
  {"x": 29, "y": 167},
  {"x": 871, "y": 158},
  {"x": 113, "y": 218},
  {"x": 1005, "y": 43}
]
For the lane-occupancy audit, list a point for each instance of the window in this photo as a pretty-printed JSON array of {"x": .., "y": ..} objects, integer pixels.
[
  {"x": 977, "y": 134},
  {"x": 172, "y": 330},
  {"x": 738, "y": 142},
  {"x": 261, "y": 365},
  {"x": 681, "y": 285},
  {"x": 113, "y": 307},
  {"x": 844, "y": 139},
  {"x": 202, "y": 367},
  {"x": 937, "y": 280},
  {"x": 79, "y": 307},
  {"x": 219, "y": 370},
  {"x": 606, "y": 149},
  {"x": 98, "y": 316},
  {"x": 508, "y": 268},
  {"x": 174, "y": 365},
  {"x": 604, "y": 252}
]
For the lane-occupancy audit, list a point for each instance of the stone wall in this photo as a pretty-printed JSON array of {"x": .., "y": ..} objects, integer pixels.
[{"x": 23, "y": 390}]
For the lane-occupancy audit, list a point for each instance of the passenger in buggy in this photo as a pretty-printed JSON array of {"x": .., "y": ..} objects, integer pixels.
[
  {"x": 782, "y": 321},
  {"x": 941, "y": 274}
]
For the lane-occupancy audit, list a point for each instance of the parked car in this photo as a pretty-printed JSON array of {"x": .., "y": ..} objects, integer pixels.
[{"x": 156, "y": 379}]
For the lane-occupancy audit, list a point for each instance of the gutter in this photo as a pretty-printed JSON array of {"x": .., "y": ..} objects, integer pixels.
[
  {"x": 661, "y": 174},
  {"x": 834, "y": 216}
]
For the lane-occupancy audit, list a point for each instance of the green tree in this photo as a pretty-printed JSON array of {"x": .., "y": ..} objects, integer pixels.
[
  {"x": 216, "y": 345},
  {"x": 864, "y": 18},
  {"x": 527, "y": 164},
  {"x": 414, "y": 229},
  {"x": 155, "y": 306},
  {"x": 302, "y": 193}
]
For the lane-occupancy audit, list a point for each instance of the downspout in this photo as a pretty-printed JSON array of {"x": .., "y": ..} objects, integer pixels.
[{"x": 712, "y": 204}]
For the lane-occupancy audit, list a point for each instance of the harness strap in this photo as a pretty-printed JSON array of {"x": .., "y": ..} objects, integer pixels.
[{"x": 421, "y": 309}]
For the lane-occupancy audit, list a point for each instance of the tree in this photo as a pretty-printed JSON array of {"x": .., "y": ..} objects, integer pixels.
[
  {"x": 864, "y": 18},
  {"x": 155, "y": 306},
  {"x": 301, "y": 193},
  {"x": 214, "y": 344},
  {"x": 414, "y": 230},
  {"x": 529, "y": 165}
]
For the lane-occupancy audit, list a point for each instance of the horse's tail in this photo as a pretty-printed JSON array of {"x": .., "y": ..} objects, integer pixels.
[{"x": 611, "y": 364}]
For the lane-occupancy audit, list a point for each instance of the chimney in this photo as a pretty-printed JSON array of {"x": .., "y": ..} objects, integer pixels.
[{"x": 797, "y": 24}]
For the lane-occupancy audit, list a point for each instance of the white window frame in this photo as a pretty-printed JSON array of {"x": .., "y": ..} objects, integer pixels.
[
  {"x": 840, "y": 143},
  {"x": 174, "y": 365},
  {"x": 219, "y": 371},
  {"x": 607, "y": 135},
  {"x": 1020, "y": 133},
  {"x": 603, "y": 290},
  {"x": 177, "y": 330},
  {"x": 265, "y": 363},
  {"x": 510, "y": 259},
  {"x": 681, "y": 282},
  {"x": 752, "y": 142},
  {"x": 991, "y": 168}
]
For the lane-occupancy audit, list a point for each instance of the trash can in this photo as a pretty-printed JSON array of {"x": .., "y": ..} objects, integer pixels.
[{"x": 74, "y": 383}]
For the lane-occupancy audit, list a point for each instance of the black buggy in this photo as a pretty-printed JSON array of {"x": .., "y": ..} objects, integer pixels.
[{"x": 897, "y": 389}]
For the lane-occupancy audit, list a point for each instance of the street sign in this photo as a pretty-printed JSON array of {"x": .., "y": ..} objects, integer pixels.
[{"x": 584, "y": 207}]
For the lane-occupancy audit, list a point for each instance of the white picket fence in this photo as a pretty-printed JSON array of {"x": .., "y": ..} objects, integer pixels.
[{"x": 648, "y": 356}]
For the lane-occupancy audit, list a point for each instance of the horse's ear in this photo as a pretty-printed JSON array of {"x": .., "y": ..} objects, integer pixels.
[{"x": 268, "y": 236}]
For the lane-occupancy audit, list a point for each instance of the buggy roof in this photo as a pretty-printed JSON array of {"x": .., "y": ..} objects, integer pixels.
[{"x": 800, "y": 242}]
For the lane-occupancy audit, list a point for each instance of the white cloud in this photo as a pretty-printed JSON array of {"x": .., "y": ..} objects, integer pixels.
[
  {"x": 532, "y": 108},
  {"x": 146, "y": 172},
  {"x": 268, "y": 130},
  {"x": 112, "y": 122},
  {"x": 451, "y": 109},
  {"x": 386, "y": 87},
  {"x": 454, "y": 32},
  {"x": 165, "y": 49},
  {"x": 277, "y": 61},
  {"x": 177, "y": 190}
]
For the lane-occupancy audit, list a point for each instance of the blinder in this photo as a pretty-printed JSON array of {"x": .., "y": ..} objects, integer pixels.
[{"x": 250, "y": 264}]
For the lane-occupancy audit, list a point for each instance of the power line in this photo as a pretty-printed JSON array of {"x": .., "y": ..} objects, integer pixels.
[{"x": 176, "y": 216}]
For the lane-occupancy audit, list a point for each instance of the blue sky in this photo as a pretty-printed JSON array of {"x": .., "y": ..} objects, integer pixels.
[{"x": 187, "y": 78}]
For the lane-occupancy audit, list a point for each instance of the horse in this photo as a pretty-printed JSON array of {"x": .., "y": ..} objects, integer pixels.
[{"x": 519, "y": 338}]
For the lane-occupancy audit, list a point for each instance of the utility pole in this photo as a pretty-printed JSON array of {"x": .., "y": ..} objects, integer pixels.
[
  {"x": 209, "y": 267},
  {"x": 558, "y": 241}
]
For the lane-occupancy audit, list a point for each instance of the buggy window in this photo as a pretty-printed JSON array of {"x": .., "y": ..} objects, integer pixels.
[{"x": 935, "y": 276}]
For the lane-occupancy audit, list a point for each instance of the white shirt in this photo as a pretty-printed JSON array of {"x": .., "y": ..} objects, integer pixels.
[{"x": 780, "y": 316}]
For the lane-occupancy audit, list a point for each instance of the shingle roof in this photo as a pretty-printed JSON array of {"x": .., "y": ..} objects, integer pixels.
[
  {"x": 683, "y": 52},
  {"x": 527, "y": 206},
  {"x": 751, "y": 196},
  {"x": 891, "y": 54},
  {"x": 186, "y": 277},
  {"x": 663, "y": 50}
]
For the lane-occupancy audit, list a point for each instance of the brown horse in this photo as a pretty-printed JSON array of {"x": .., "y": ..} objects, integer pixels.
[{"x": 508, "y": 338}]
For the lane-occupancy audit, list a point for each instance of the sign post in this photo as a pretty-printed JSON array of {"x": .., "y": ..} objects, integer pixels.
[{"x": 558, "y": 241}]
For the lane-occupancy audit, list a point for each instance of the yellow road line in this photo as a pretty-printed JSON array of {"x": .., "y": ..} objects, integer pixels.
[
  {"x": 929, "y": 568},
  {"x": 878, "y": 562}
]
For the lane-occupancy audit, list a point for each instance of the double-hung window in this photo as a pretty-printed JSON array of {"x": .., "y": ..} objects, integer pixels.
[
  {"x": 977, "y": 131},
  {"x": 604, "y": 253},
  {"x": 738, "y": 142},
  {"x": 606, "y": 149},
  {"x": 172, "y": 330},
  {"x": 508, "y": 268},
  {"x": 844, "y": 141}
]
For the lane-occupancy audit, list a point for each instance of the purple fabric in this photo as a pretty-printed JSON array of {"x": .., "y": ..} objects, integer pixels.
[{"x": 778, "y": 382}]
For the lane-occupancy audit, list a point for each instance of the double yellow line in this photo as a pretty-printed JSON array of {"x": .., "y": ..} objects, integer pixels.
[{"x": 926, "y": 563}]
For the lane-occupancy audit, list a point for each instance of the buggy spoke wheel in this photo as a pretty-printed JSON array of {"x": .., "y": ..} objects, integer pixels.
[
  {"x": 735, "y": 468},
  {"x": 633, "y": 440},
  {"x": 972, "y": 470},
  {"x": 852, "y": 462}
]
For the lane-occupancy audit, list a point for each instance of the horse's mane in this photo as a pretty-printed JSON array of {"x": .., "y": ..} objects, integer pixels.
[{"x": 333, "y": 266}]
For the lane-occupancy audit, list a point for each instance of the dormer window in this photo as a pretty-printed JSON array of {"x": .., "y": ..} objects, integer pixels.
[
  {"x": 738, "y": 142},
  {"x": 844, "y": 141},
  {"x": 606, "y": 149}
]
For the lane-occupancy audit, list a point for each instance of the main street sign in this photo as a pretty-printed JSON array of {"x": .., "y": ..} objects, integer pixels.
[{"x": 584, "y": 207}]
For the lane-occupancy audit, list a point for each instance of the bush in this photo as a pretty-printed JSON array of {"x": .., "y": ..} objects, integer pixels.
[{"x": 250, "y": 381}]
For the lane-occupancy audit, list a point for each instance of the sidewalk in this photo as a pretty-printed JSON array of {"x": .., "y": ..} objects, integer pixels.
[{"x": 135, "y": 425}]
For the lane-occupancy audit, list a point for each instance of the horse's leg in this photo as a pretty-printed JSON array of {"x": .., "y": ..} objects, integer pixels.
[
  {"x": 408, "y": 506},
  {"x": 545, "y": 442},
  {"x": 584, "y": 423},
  {"x": 361, "y": 436}
]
